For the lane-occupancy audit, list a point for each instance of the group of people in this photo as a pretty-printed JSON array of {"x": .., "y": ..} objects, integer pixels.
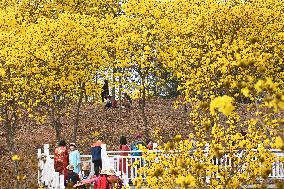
[
  {"x": 79, "y": 175},
  {"x": 111, "y": 102}
]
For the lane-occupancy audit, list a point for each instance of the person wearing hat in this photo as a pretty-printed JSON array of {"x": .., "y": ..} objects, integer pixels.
[
  {"x": 86, "y": 173},
  {"x": 74, "y": 157},
  {"x": 114, "y": 182},
  {"x": 72, "y": 177},
  {"x": 87, "y": 178}
]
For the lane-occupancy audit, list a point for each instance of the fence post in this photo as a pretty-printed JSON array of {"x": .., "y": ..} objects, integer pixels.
[
  {"x": 46, "y": 149},
  {"x": 56, "y": 180},
  {"x": 155, "y": 145},
  {"x": 39, "y": 172},
  {"x": 61, "y": 182},
  {"x": 104, "y": 156},
  {"x": 207, "y": 177}
]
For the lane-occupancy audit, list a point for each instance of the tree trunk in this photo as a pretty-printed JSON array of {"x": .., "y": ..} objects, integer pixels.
[
  {"x": 86, "y": 97},
  {"x": 120, "y": 89},
  {"x": 10, "y": 129},
  {"x": 10, "y": 134},
  {"x": 143, "y": 105},
  {"x": 148, "y": 85},
  {"x": 185, "y": 113},
  {"x": 56, "y": 125},
  {"x": 113, "y": 82},
  {"x": 77, "y": 116}
]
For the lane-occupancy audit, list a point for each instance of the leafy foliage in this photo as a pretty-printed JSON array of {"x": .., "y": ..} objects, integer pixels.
[{"x": 217, "y": 55}]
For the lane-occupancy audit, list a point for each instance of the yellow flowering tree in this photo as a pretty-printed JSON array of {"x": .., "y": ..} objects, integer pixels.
[
  {"x": 229, "y": 59},
  {"x": 20, "y": 91}
]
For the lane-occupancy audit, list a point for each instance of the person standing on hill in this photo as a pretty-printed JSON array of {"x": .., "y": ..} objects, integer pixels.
[
  {"x": 61, "y": 158},
  {"x": 108, "y": 104},
  {"x": 113, "y": 102},
  {"x": 96, "y": 151},
  {"x": 128, "y": 98},
  {"x": 105, "y": 91},
  {"x": 74, "y": 157}
]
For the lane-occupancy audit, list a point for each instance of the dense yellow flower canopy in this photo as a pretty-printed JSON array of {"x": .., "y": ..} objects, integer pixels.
[{"x": 227, "y": 57}]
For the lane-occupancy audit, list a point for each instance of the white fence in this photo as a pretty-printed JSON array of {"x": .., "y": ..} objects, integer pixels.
[
  {"x": 122, "y": 166},
  {"x": 46, "y": 172},
  {"x": 110, "y": 159}
]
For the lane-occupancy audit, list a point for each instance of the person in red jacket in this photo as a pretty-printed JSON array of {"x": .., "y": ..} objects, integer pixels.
[{"x": 61, "y": 158}]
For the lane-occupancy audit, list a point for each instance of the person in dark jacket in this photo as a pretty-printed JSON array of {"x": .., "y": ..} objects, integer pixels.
[
  {"x": 105, "y": 91},
  {"x": 108, "y": 103},
  {"x": 96, "y": 151},
  {"x": 72, "y": 177}
]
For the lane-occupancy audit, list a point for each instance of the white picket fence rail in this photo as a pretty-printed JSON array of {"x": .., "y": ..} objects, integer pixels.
[{"x": 122, "y": 166}]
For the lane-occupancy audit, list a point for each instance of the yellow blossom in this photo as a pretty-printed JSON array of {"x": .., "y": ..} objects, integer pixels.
[
  {"x": 223, "y": 104},
  {"x": 16, "y": 158}
]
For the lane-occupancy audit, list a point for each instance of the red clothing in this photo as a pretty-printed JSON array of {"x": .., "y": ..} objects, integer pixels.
[
  {"x": 150, "y": 146},
  {"x": 61, "y": 160},
  {"x": 101, "y": 183},
  {"x": 123, "y": 161}
]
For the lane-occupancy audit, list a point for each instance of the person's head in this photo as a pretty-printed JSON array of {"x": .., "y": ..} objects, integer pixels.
[
  {"x": 138, "y": 136},
  {"x": 72, "y": 146},
  {"x": 123, "y": 140},
  {"x": 110, "y": 172},
  {"x": 62, "y": 143},
  {"x": 70, "y": 168},
  {"x": 86, "y": 168},
  {"x": 103, "y": 172},
  {"x": 43, "y": 157},
  {"x": 99, "y": 139},
  {"x": 149, "y": 141}
]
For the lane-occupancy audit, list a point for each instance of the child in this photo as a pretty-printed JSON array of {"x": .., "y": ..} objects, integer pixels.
[{"x": 74, "y": 157}]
